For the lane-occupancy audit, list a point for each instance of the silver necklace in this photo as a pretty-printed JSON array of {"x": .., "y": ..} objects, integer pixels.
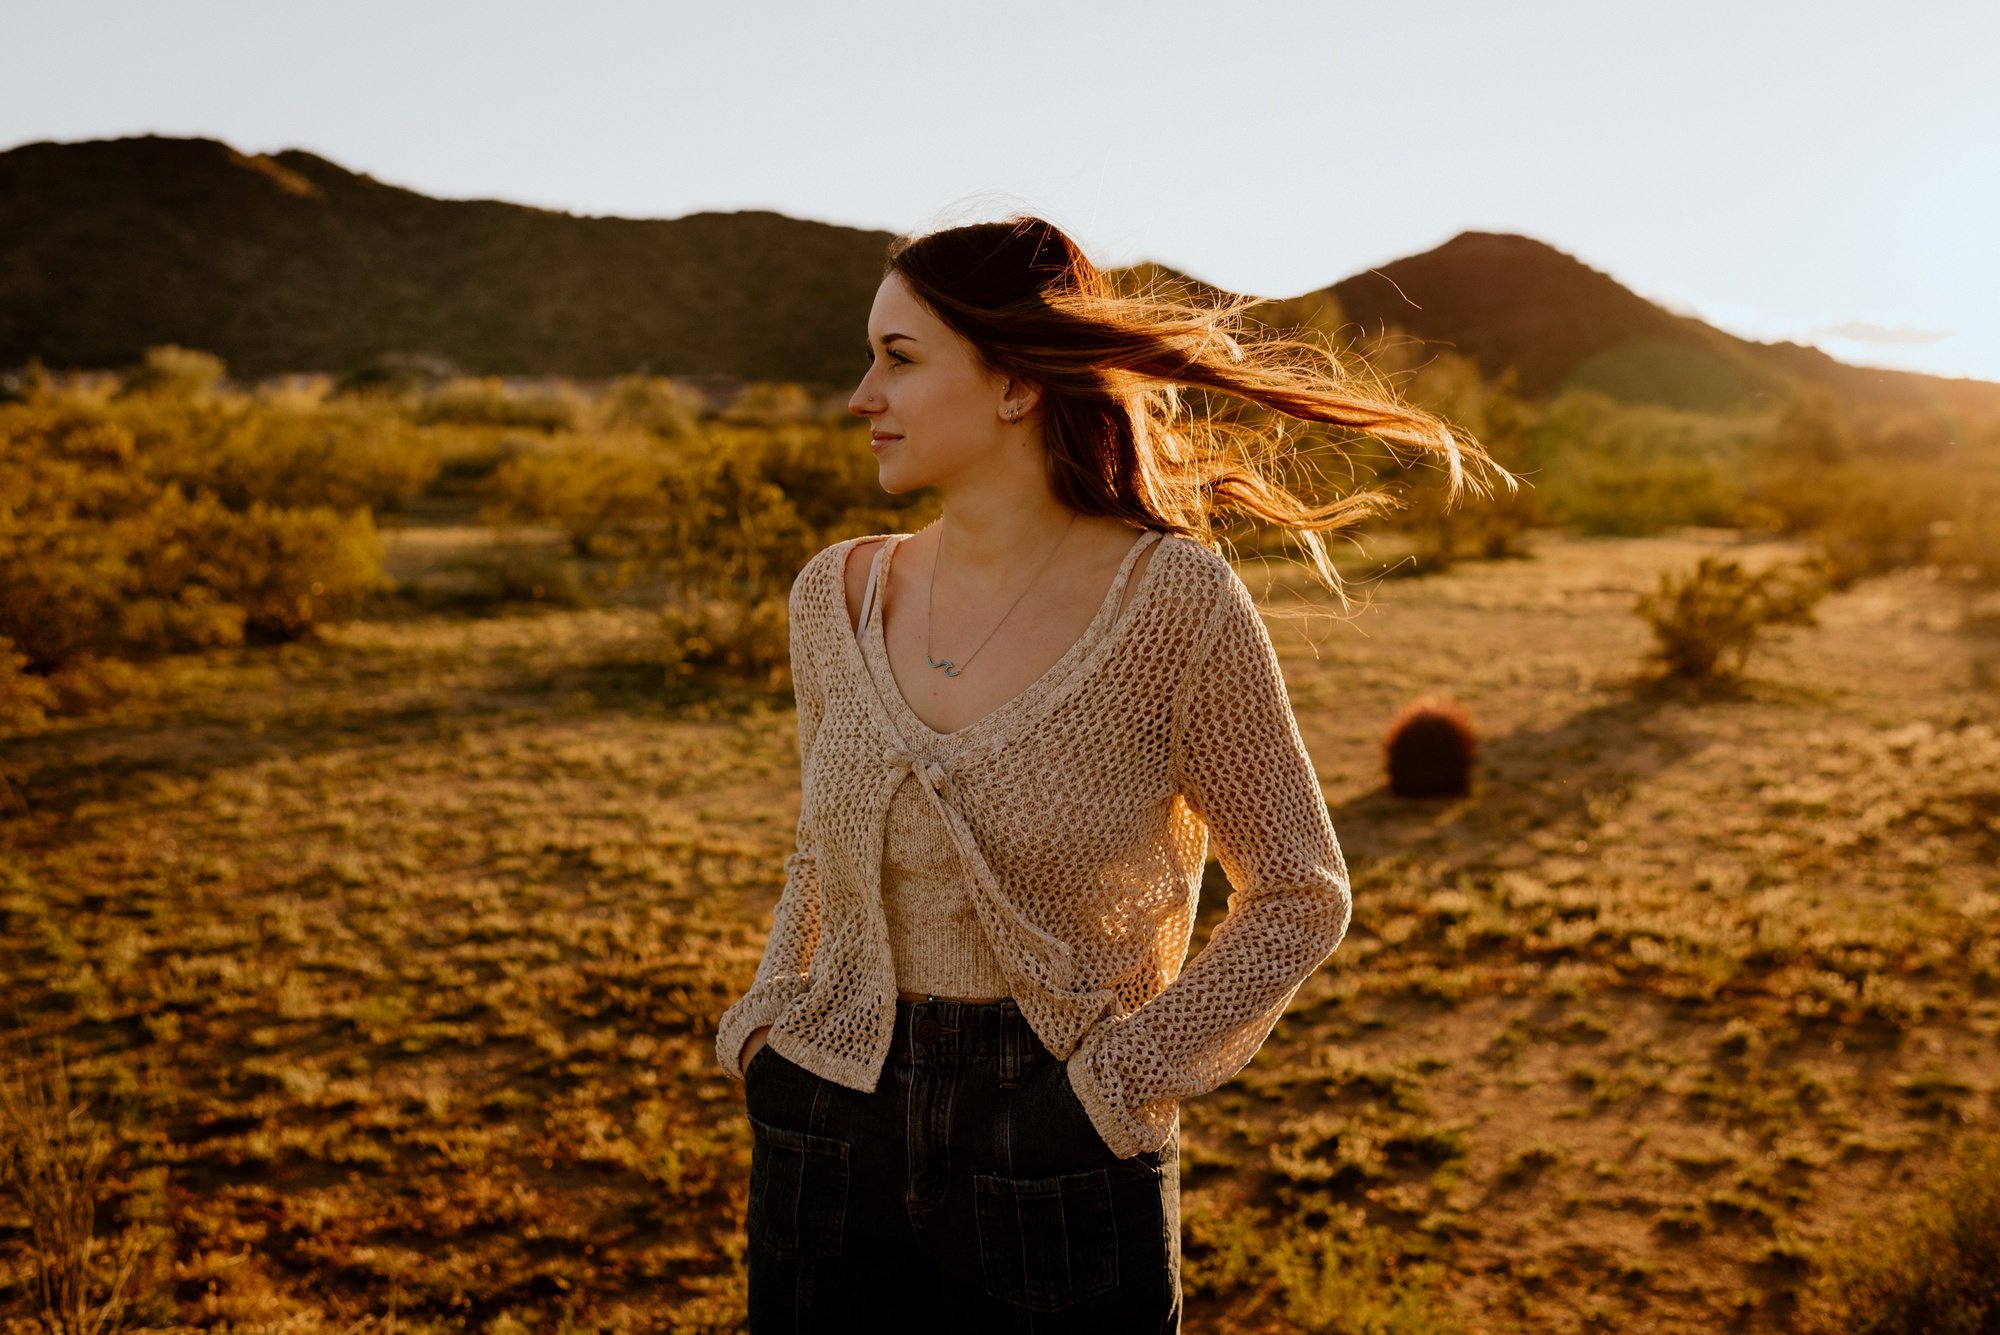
[{"x": 950, "y": 666}]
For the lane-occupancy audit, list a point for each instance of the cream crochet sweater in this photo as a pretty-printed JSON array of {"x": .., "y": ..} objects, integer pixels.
[{"x": 1080, "y": 812}]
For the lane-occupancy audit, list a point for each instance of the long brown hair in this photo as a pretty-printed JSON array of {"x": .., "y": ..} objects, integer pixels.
[{"x": 1122, "y": 439}]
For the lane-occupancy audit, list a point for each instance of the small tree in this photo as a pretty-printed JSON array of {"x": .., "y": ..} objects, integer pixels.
[{"x": 1706, "y": 621}]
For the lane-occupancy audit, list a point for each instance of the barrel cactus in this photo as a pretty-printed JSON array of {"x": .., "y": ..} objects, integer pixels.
[{"x": 1429, "y": 749}]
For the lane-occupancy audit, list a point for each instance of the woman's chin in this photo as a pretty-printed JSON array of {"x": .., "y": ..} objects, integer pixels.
[{"x": 895, "y": 480}]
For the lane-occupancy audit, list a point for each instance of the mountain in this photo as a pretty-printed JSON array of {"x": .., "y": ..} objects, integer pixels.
[
  {"x": 1512, "y": 302},
  {"x": 289, "y": 262}
]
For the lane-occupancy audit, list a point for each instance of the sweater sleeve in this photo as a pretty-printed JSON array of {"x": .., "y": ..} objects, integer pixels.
[
  {"x": 1242, "y": 767},
  {"x": 781, "y": 974}
]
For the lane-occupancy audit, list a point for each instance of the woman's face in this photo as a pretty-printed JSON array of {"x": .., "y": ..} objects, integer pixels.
[{"x": 933, "y": 409}]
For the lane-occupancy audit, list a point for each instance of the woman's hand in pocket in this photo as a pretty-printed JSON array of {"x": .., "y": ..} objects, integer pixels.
[{"x": 750, "y": 1046}]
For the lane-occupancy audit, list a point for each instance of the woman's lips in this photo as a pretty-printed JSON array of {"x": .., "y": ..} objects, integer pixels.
[{"x": 878, "y": 443}]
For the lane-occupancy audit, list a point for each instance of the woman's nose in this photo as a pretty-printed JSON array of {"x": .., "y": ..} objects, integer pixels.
[{"x": 864, "y": 402}]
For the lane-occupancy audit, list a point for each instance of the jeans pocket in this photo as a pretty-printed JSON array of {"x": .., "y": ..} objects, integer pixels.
[
  {"x": 798, "y": 1191},
  {"x": 1078, "y": 1114},
  {"x": 756, "y": 1057},
  {"x": 1047, "y": 1242}
]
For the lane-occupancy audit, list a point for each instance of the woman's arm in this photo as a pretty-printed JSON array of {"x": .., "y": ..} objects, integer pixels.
[
  {"x": 781, "y": 974},
  {"x": 1242, "y": 766}
]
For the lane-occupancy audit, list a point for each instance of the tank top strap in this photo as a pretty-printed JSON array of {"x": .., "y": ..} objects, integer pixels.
[{"x": 874, "y": 569}]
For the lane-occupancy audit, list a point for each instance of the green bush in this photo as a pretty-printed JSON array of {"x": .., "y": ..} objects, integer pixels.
[
  {"x": 342, "y": 454},
  {"x": 1705, "y": 622},
  {"x": 733, "y": 514},
  {"x": 1475, "y": 526},
  {"x": 1934, "y": 1272},
  {"x": 651, "y": 403},
  {"x": 609, "y": 493},
  {"x": 774, "y": 404},
  {"x": 83, "y": 561},
  {"x": 1879, "y": 490},
  {"x": 102, "y": 560},
  {"x": 742, "y": 641},
  {"x": 1606, "y": 467},
  {"x": 1881, "y": 519},
  {"x": 291, "y": 569}
]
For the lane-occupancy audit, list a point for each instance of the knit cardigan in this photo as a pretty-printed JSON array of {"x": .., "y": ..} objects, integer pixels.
[{"x": 1082, "y": 810}]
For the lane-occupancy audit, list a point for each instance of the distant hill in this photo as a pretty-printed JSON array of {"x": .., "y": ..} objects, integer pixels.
[
  {"x": 1511, "y": 302},
  {"x": 289, "y": 262}
]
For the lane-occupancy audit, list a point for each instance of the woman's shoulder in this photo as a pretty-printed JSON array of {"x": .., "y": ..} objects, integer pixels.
[
  {"x": 828, "y": 565},
  {"x": 1190, "y": 572}
]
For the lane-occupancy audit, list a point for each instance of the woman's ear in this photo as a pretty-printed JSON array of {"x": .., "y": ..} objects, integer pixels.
[{"x": 1018, "y": 398}]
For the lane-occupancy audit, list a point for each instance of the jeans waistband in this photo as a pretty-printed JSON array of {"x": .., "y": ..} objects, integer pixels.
[{"x": 941, "y": 1028}]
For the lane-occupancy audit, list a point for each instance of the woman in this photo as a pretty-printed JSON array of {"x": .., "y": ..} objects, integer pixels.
[{"x": 966, "y": 1046}]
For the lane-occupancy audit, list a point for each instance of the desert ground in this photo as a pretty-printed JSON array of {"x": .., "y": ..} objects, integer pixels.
[{"x": 391, "y": 960}]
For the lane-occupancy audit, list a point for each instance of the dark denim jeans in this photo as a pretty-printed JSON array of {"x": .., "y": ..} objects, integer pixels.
[{"x": 969, "y": 1192}]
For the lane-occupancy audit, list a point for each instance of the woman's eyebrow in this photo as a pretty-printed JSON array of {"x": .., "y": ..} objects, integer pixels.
[{"x": 891, "y": 338}]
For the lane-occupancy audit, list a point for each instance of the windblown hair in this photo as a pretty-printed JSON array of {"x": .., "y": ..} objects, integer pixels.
[{"x": 1122, "y": 437}]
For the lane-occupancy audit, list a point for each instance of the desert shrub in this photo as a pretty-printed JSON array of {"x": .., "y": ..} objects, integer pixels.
[
  {"x": 53, "y": 1153},
  {"x": 651, "y": 403},
  {"x": 1478, "y": 528},
  {"x": 1351, "y": 1278},
  {"x": 288, "y": 570},
  {"x": 75, "y": 560},
  {"x": 174, "y": 372},
  {"x": 1935, "y": 1271},
  {"x": 25, "y": 699},
  {"x": 1474, "y": 527},
  {"x": 468, "y": 457},
  {"x": 1617, "y": 493},
  {"x": 102, "y": 560},
  {"x": 756, "y": 504},
  {"x": 1968, "y": 543},
  {"x": 770, "y": 404},
  {"x": 1877, "y": 490},
  {"x": 1429, "y": 749},
  {"x": 488, "y": 401},
  {"x": 744, "y": 641},
  {"x": 341, "y": 454},
  {"x": 608, "y": 493},
  {"x": 1880, "y": 519},
  {"x": 1705, "y": 622},
  {"x": 1606, "y": 467},
  {"x": 734, "y": 514}
]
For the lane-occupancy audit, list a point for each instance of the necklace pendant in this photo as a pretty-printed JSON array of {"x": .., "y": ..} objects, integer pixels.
[
  {"x": 946, "y": 663},
  {"x": 953, "y": 670}
]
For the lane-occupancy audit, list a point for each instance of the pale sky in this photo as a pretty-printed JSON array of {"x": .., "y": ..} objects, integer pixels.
[{"x": 1821, "y": 170}]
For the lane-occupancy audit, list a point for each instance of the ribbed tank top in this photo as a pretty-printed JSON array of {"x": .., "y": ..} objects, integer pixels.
[{"x": 934, "y": 933}]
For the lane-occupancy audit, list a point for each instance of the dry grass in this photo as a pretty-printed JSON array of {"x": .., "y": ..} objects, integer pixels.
[
  {"x": 52, "y": 1155},
  {"x": 391, "y": 962}
]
